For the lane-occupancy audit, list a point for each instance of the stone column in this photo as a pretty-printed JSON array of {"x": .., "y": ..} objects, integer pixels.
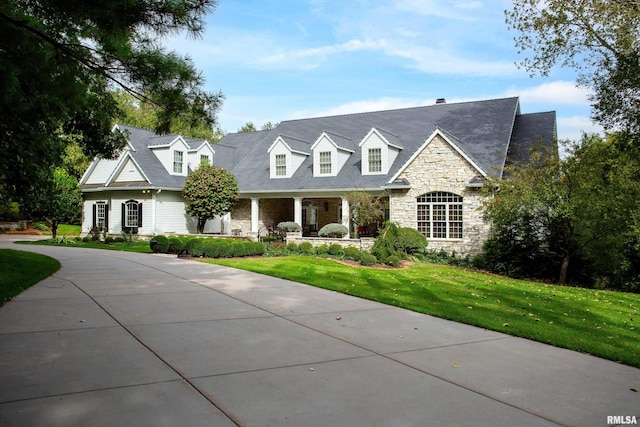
[{"x": 255, "y": 212}]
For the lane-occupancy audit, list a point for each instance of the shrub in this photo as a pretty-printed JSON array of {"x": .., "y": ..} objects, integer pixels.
[
  {"x": 118, "y": 240},
  {"x": 336, "y": 250},
  {"x": 40, "y": 226},
  {"x": 352, "y": 252},
  {"x": 393, "y": 260},
  {"x": 86, "y": 239},
  {"x": 211, "y": 248},
  {"x": 291, "y": 246},
  {"x": 306, "y": 248},
  {"x": 383, "y": 247},
  {"x": 322, "y": 250},
  {"x": 410, "y": 241},
  {"x": 195, "y": 246},
  {"x": 333, "y": 230},
  {"x": 78, "y": 239},
  {"x": 367, "y": 259},
  {"x": 108, "y": 240},
  {"x": 175, "y": 245},
  {"x": 162, "y": 244},
  {"x": 289, "y": 226}
]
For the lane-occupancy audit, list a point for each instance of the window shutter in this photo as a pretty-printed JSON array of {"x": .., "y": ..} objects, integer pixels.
[
  {"x": 106, "y": 217},
  {"x": 139, "y": 214},
  {"x": 124, "y": 217},
  {"x": 94, "y": 217}
]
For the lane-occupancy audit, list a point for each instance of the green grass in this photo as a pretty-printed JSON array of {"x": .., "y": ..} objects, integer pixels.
[
  {"x": 140, "y": 246},
  {"x": 67, "y": 230},
  {"x": 21, "y": 270},
  {"x": 598, "y": 322}
]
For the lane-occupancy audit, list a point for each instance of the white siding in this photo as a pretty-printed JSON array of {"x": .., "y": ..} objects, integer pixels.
[
  {"x": 323, "y": 146},
  {"x": 343, "y": 156},
  {"x": 129, "y": 172},
  {"x": 171, "y": 216},
  {"x": 102, "y": 171},
  {"x": 374, "y": 141}
]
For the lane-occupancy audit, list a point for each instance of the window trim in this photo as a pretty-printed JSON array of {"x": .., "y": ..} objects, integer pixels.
[
  {"x": 205, "y": 158},
  {"x": 178, "y": 165},
  {"x": 280, "y": 167},
  {"x": 449, "y": 204},
  {"x": 131, "y": 216},
  {"x": 370, "y": 159},
  {"x": 326, "y": 163}
]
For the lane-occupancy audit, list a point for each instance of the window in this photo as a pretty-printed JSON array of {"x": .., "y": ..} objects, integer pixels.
[
  {"x": 375, "y": 160},
  {"x": 281, "y": 165},
  {"x": 101, "y": 216},
  {"x": 440, "y": 215},
  {"x": 131, "y": 216},
  {"x": 204, "y": 159},
  {"x": 177, "y": 162},
  {"x": 325, "y": 162}
]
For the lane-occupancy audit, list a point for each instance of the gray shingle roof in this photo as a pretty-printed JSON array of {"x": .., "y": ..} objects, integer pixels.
[{"x": 488, "y": 132}]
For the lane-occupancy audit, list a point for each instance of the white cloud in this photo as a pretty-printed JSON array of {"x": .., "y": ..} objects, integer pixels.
[{"x": 558, "y": 93}]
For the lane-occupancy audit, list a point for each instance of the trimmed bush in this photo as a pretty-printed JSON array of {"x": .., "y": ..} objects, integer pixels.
[
  {"x": 393, "y": 260},
  {"x": 195, "y": 246},
  {"x": 322, "y": 250},
  {"x": 306, "y": 248},
  {"x": 289, "y": 226},
  {"x": 108, "y": 240},
  {"x": 333, "y": 230},
  {"x": 353, "y": 253},
  {"x": 368, "y": 259},
  {"x": 118, "y": 240},
  {"x": 291, "y": 246},
  {"x": 162, "y": 244},
  {"x": 336, "y": 250},
  {"x": 410, "y": 241},
  {"x": 175, "y": 245},
  {"x": 86, "y": 239}
]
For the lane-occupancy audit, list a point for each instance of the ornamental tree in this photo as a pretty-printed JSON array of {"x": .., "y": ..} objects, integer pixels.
[{"x": 208, "y": 192}]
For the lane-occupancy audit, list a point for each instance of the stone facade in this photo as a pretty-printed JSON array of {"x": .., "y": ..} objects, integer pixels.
[
  {"x": 364, "y": 244},
  {"x": 439, "y": 167}
]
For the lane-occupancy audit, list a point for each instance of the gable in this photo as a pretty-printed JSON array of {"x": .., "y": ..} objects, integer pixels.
[
  {"x": 99, "y": 171},
  {"x": 128, "y": 172}
]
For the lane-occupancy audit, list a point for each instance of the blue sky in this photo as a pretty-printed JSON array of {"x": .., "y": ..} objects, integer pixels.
[{"x": 283, "y": 59}]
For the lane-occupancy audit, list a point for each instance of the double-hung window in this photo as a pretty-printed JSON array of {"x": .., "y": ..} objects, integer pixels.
[
  {"x": 440, "y": 215},
  {"x": 375, "y": 160},
  {"x": 281, "y": 165},
  {"x": 177, "y": 161},
  {"x": 131, "y": 216},
  {"x": 325, "y": 162},
  {"x": 204, "y": 159}
]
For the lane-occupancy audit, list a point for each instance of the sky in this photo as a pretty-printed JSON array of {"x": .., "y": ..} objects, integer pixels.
[{"x": 278, "y": 60}]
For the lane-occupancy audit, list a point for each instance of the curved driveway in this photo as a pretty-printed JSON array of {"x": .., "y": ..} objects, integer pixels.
[{"x": 124, "y": 339}]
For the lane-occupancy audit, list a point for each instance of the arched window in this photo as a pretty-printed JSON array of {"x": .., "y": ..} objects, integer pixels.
[
  {"x": 440, "y": 215},
  {"x": 131, "y": 216}
]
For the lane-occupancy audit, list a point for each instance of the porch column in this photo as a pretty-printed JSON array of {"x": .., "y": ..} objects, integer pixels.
[
  {"x": 255, "y": 211},
  {"x": 297, "y": 210},
  {"x": 345, "y": 216}
]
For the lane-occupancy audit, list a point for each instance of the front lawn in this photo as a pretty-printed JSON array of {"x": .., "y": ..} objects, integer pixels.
[
  {"x": 592, "y": 321},
  {"x": 21, "y": 270}
]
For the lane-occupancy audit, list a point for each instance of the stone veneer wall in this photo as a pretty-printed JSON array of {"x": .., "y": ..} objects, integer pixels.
[
  {"x": 440, "y": 168},
  {"x": 364, "y": 244},
  {"x": 241, "y": 216}
]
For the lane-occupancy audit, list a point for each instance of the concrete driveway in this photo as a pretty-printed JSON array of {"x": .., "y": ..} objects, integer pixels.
[{"x": 123, "y": 339}]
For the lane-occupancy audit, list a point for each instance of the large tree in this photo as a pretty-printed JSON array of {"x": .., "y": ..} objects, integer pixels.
[
  {"x": 208, "y": 192},
  {"x": 364, "y": 209},
  {"x": 556, "y": 210},
  {"x": 598, "y": 38},
  {"x": 59, "y": 61}
]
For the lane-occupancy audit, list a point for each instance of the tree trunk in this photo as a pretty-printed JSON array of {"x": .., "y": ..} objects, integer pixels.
[
  {"x": 54, "y": 228},
  {"x": 201, "y": 223},
  {"x": 564, "y": 268}
]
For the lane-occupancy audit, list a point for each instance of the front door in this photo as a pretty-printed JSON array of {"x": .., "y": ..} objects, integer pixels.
[{"x": 309, "y": 219}]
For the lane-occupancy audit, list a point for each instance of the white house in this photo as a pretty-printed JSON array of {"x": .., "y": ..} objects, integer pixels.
[{"x": 428, "y": 163}]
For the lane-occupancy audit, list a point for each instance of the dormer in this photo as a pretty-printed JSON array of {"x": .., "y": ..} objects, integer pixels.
[
  {"x": 199, "y": 153},
  {"x": 172, "y": 152},
  {"x": 330, "y": 153},
  {"x": 379, "y": 150},
  {"x": 286, "y": 155}
]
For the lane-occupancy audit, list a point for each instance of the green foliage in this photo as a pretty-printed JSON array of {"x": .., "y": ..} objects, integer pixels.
[
  {"x": 306, "y": 248},
  {"x": 209, "y": 191},
  {"x": 108, "y": 240},
  {"x": 322, "y": 249},
  {"x": 368, "y": 259},
  {"x": 364, "y": 209},
  {"x": 59, "y": 62},
  {"x": 176, "y": 244},
  {"x": 333, "y": 230},
  {"x": 162, "y": 244},
  {"x": 599, "y": 39},
  {"x": 40, "y": 226},
  {"x": 289, "y": 226},
  {"x": 410, "y": 241},
  {"x": 336, "y": 250},
  {"x": 393, "y": 261},
  {"x": 293, "y": 247},
  {"x": 383, "y": 247},
  {"x": 351, "y": 252}
]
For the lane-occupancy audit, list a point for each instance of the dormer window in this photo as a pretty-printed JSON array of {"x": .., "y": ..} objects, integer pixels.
[
  {"x": 281, "y": 165},
  {"x": 375, "y": 160},
  {"x": 204, "y": 160},
  {"x": 325, "y": 163},
  {"x": 178, "y": 159}
]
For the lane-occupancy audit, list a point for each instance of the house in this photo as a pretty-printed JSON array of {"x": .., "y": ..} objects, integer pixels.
[{"x": 427, "y": 163}]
